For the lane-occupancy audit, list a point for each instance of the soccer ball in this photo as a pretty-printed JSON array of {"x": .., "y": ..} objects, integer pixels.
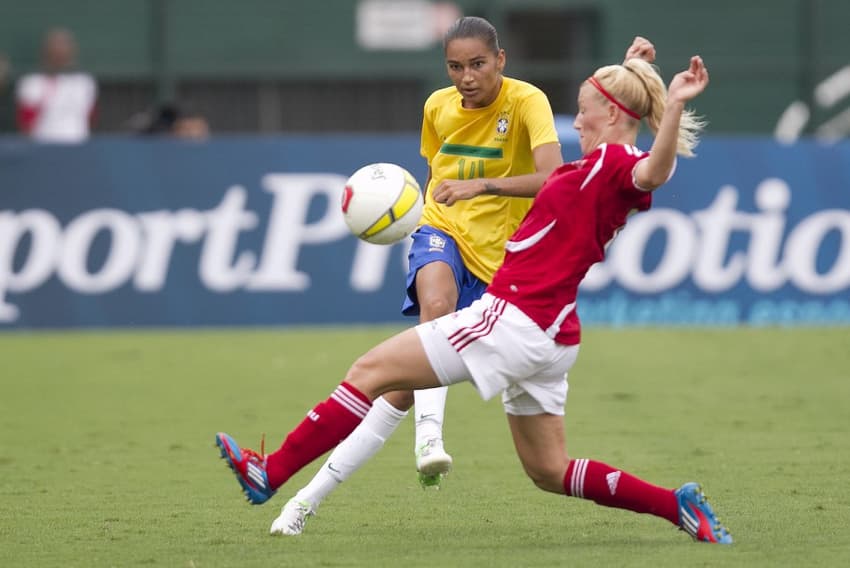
[{"x": 382, "y": 203}]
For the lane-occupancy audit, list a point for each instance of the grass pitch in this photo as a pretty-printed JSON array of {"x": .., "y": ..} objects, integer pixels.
[{"x": 107, "y": 455}]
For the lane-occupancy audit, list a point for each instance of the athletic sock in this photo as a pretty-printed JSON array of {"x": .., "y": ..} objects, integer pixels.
[
  {"x": 350, "y": 455},
  {"x": 599, "y": 482},
  {"x": 429, "y": 410},
  {"x": 323, "y": 428}
]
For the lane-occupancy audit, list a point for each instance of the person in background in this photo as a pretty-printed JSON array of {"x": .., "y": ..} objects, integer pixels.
[
  {"x": 490, "y": 142},
  {"x": 171, "y": 119},
  {"x": 521, "y": 338},
  {"x": 57, "y": 104},
  {"x": 191, "y": 126}
]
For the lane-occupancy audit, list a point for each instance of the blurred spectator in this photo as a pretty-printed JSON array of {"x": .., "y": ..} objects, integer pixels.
[
  {"x": 173, "y": 120},
  {"x": 57, "y": 103},
  {"x": 191, "y": 126}
]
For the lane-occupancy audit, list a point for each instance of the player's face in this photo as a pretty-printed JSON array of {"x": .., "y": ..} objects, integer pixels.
[
  {"x": 592, "y": 118},
  {"x": 475, "y": 71}
]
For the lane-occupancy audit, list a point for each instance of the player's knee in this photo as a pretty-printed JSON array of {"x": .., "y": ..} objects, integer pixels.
[
  {"x": 434, "y": 307},
  {"x": 547, "y": 478},
  {"x": 401, "y": 400},
  {"x": 364, "y": 374}
]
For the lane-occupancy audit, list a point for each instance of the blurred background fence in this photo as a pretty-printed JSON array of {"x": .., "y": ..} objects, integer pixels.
[{"x": 256, "y": 65}]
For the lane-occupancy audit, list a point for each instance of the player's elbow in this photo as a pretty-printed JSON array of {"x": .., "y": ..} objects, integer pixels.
[{"x": 651, "y": 179}]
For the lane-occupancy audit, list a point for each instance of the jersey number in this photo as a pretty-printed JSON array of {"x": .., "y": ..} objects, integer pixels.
[{"x": 473, "y": 166}]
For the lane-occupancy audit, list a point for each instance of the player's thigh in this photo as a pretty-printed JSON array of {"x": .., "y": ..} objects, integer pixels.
[
  {"x": 541, "y": 446},
  {"x": 398, "y": 363}
]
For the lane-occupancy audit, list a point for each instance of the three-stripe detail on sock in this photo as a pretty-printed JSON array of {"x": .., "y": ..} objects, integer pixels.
[
  {"x": 577, "y": 479},
  {"x": 351, "y": 401}
]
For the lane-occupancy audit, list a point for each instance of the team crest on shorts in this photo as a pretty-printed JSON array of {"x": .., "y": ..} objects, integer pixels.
[{"x": 436, "y": 243}]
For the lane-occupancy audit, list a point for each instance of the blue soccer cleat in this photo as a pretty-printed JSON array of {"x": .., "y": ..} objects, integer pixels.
[
  {"x": 697, "y": 518},
  {"x": 249, "y": 467}
]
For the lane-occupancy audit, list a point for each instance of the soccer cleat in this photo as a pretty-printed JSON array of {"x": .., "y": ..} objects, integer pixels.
[
  {"x": 432, "y": 463},
  {"x": 697, "y": 518},
  {"x": 249, "y": 467},
  {"x": 292, "y": 518}
]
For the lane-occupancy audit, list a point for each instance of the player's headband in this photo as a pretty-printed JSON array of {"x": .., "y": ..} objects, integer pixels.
[{"x": 592, "y": 80}]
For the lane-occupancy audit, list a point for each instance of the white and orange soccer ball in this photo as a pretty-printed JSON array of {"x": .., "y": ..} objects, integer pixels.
[{"x": 382, "y": 203}]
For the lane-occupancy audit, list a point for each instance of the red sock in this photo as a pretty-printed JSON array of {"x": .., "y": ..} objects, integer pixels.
[
  {"x": 325, "y": 426},
  {"x": 588, "y": 479}
]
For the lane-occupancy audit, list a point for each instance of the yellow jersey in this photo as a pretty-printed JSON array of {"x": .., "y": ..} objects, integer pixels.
[{"x": 491, "y": 142}]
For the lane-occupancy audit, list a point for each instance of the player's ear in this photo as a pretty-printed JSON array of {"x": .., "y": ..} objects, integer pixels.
[{"x": 501, "y": 59}]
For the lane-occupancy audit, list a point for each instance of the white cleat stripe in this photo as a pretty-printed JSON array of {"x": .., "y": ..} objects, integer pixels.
[
  {"x": 689, "y": 523},
  {"x": 255, "y": 474}
]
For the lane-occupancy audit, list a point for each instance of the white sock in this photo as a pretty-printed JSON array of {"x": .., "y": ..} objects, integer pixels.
[
  {"x": 350, "y": 455},
  {"x": 429, "y": 410}
]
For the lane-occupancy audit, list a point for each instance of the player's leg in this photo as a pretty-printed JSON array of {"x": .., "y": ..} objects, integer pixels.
[
  {"x": 437, "y": 295},
  {"x": 434, "y": 283},
  {"x": 351, "y": 454},
  {"x": 540, "y": 444},
  {"x": 399, "y": 363}
]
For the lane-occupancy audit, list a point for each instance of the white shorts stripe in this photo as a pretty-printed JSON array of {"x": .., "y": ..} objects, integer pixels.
[
  {"x": 479, "y": 332},
  {"x": 501, "y": 350},
  {"x": 467, "y": 335},
  {"x": 463, "y": 331}
]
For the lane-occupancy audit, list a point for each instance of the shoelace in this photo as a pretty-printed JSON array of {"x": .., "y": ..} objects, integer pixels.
[
  {"x": 426, "y": 448},
  {"x": 298, "y": 522},
  {"x": 259, "y": 456}
]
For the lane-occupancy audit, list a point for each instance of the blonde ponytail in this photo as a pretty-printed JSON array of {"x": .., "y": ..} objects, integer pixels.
[{"x": 639, "y": 87}]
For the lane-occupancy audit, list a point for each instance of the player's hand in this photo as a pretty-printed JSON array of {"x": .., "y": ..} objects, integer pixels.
[
  {"x": 689, "y": 83},
  {"x": 450, "y": 191},
  {"x": 642, "y": 48}
]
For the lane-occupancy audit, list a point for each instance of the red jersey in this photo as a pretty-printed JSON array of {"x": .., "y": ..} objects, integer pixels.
[{"x": 577, "y": 212}]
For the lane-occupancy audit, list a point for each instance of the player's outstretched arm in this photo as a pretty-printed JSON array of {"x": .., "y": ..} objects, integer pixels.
[{"x": 655, "y": 170}]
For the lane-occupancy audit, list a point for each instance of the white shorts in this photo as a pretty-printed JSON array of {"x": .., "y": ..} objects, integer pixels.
[{"x": 497, "y": 347}]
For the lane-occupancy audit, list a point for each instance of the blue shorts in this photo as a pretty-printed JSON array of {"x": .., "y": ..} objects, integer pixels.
[{"x": 432, "y": 245}]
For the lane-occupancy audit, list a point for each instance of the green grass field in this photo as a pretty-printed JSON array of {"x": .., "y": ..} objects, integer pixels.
[{"x": 107, "y": 455}]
